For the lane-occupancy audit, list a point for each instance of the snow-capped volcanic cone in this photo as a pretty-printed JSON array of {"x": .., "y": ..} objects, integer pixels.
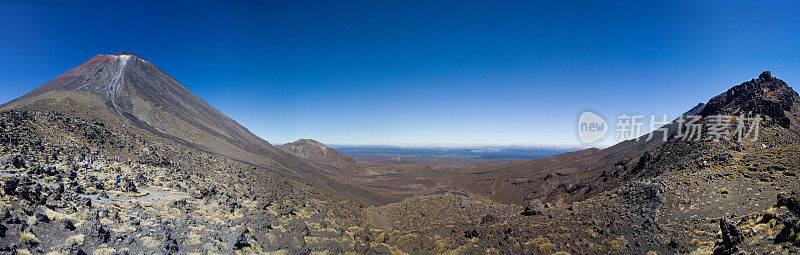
[{"x": 145, "y": 95}]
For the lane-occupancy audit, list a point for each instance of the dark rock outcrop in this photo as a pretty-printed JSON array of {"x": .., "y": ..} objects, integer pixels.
[
  {"x": 238, "y": 239},
  {"x": 535, "y": 207},
  {"x": 791, "y": 201},
  {"x": 767, "y": 96},
  {"x": 731, "y": 236}
]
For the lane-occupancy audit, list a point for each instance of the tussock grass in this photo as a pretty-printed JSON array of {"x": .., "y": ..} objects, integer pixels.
[
  {"x": 28, "y": 238},
  {"x": 75, "y": 239}
]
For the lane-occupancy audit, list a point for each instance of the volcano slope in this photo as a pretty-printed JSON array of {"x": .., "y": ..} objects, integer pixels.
[
  {"x": 123, "y": 91},
  {"x": 194, "y": 186},
  {"x": 116, "y": 142}
]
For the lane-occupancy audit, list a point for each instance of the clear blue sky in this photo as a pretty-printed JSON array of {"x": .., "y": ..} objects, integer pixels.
[{"x": 417, "y": 71}]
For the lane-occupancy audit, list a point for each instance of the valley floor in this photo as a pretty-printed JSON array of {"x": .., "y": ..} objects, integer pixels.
[{"x": 66, "y": 208}]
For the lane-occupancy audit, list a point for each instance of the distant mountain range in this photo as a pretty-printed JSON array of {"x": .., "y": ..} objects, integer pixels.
[{"x": 462, "y": 152}]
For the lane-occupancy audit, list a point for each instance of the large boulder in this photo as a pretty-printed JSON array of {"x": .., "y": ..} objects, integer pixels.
[
  {"x": 67, "y": 224},
  {"x": 791, "y": 202},
  {"x": 535, "y": 207},
  {"x": 170, "y": 245},
  {"x": 41, "y": 218},
  {"x": 731, "y": 236},
  {"x": 647, "y": 196},
  {"x": 93, "y": 228},
  {"x": 18, "y": 162},
  {"x": 238, "y": 239},
  {"x": 4, "y": 162},
  {"x": 10, "y": 186},
  {"x": 72, "y": 248},
  {"x": 129, "y": 186}
]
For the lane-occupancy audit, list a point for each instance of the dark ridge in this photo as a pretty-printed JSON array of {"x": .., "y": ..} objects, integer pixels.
[
  {"x": 766, "y": 75},
  {"x": 767, "y": 96}
]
